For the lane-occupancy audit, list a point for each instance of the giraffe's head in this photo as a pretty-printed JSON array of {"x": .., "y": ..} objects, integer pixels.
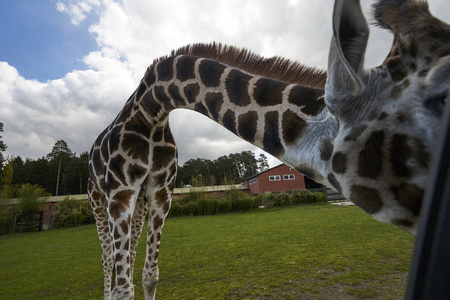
[{"x": 388, "y": 116}]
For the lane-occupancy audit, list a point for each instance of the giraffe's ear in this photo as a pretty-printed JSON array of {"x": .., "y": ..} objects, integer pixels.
[{"x": 346, "y": 57}]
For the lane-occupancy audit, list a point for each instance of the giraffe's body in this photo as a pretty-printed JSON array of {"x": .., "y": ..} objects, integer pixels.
[{"x": 368, "y": 134}]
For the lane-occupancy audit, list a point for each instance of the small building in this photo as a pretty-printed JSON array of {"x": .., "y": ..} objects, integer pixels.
[
  {"x": 215, "y": 190},
  {"x": 281, "y": 178}
]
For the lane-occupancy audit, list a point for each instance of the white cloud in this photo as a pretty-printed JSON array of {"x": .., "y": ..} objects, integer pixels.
[{"x": 130, "y": 34}]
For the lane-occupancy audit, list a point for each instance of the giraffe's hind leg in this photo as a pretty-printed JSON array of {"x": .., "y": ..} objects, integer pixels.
[
  {"x": 137, "y": 223},
  {"x": 99, "y": 208},
  {"x": 161, "y": 197}
]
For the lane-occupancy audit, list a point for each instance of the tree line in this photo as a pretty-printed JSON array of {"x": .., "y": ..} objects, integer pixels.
[{"x": 63, "y": 172}]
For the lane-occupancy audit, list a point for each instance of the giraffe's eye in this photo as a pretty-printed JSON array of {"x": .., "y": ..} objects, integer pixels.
[{"x": 436, "y": 103}]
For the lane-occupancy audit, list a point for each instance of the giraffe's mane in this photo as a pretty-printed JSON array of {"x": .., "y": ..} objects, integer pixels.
[{"x": 277, "y": 68}]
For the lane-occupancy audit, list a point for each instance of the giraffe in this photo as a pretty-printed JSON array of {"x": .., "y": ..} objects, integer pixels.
[{"x": 366, "y": 133}]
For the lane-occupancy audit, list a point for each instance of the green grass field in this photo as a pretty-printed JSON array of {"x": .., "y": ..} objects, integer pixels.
[{"x": 306, "y": 252}]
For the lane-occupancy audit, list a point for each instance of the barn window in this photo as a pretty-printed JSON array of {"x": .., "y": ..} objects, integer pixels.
[
  {"x": 274, "y": 177},
  {"x": 289, "y": 177}
]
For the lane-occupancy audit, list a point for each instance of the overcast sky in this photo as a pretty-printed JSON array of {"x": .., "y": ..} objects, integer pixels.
[{"x": 68, "y": 66}]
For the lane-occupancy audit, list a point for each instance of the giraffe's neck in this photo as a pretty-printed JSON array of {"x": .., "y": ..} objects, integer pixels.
[{"x": 276, "y": 116}]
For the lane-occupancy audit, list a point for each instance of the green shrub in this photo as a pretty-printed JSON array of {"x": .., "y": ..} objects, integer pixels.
[
  {"x": 73, "y": 213},
  {"x": 6, "y": 219},
  {"x": 176, "y": 210}
]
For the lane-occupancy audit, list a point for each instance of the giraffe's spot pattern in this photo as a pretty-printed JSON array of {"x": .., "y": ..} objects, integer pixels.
[
  {"x": 116, "y": 166},
  {"x": 210, "y": 72},
  {"x": 355, "y": 133},
  {"x": 157, "y": 222},
  {"x": 136, "y": 172},
  {"x": 191, "y": 92},
  {"x": 309, "y": 99},
  {"x": 150, "y": 78},
  {"x": 161, "y": 95},
  {"x": 114, "y": 139},
  {"x": 175, "y": 95},
  {"x": 138, "y": 124},
  {"x": 120, "y": 203},
  {"x": 237, "y": 87},
  {"x": 199, "y": 107},
  {"x": 398, "y": 89},
  {"x": 162, "y": 156},
  {"x": 140, "y": 91},
  {"x": 332, "y": 179},
  {"x": 268, "y": 92},
  {"x": 367, "y": 198},
  {"x": 271, "y": 141},
  {"x": 370, "y": 162},
  {"x": 214, "y": 102},
  {"x": 98, "y": 166},
  {"x": 402, "y": 151},
  {"x": 124, "y": 225},
  {"x": 409, "y": 196},
  {"x": 293, "y": 127},
  {"x": 136, "y": 147},
  {"x": 339, "y": 162},
  {"x": 165, "y": 69},
  {"x": 247, "y": 125},
  {"x": 150, "y": 106},
  {"x": 325, "y": 149},
  {"x": 185, "y": 68},
  {"x": 229, "y": 122},
  {"x": 396, "y": 68}
]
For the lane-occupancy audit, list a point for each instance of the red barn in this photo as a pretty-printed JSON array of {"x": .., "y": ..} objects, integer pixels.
[{"x": 281, "y": 178}]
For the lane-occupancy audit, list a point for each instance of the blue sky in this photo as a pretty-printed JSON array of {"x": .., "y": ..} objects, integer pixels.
[
  {"x": 41, "y": 42},
  {"x": 68, "y": 66}
]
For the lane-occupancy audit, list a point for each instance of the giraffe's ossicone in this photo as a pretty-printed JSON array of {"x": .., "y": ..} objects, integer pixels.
[{"x": 367, "y": 133}]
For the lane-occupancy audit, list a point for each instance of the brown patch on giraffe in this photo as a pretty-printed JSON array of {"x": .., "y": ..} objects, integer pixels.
[
  {"x": 339, "y": 162},
  {"x": 396, "y": 68},
  {"x": 114, "y": 139},
  {"x": 160, "y": 180},
  {"x": 127, "y": 245},
  {"x": 161, "y": 197},
  {"x": 247, "y": 125},
  {"x": 382, "y": 116},
  {"x": 370, "y": 162},
  {"x": 268, "y": 92},
  {"x": 157, "y": 222},
  {"x": 150, "y": 106},
  {"x": 124, "y": 225},
  {"x": 120, "y": 203},
  {"x": 158, "y": 134},
  {"x": 332, "y": 179},
  {"x": 97, "y": 163},
  {"x": 136, "y": 147},
  {"x": 236, "y": 86},
  {"x": 165, "y": 69},
  {"x": 355, "y": 133},
  {"x": 139, "y": 124},
  {"x": 199, "y": 107},
  {"x": 140, "y": 91},
  {"x": 191, "y": 91},
  {"x": 174, "y": 93},
  {"x": 150, "y": 77},
  {"x": 186, "y": 68},
  {"x": 398, "y": 89},
  {"x": 293, "y": 127},
  {"x": 160, "y": 94},
  {"x": 121, "y": 281},
  {"x": 168, "y": 137},
  {"x": 116, "y": 166},
  {"x": 229, "y": 121},
  {"x": 210, "y": 72},
  {"x": 271, "y": 141},
  {"x": 116, "y": 236},
  {"x": 325, "y": 149},
  {"x": 309, "y": 99},
  {"x": 136, "y": 172},
  {"x": 409, "y": 196},
  {"x": 162, "y": 157},
  {"x": 367, "y": 198},
  {"x": 214, "y": 102},
  {"x": 404, "y": 148}
]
